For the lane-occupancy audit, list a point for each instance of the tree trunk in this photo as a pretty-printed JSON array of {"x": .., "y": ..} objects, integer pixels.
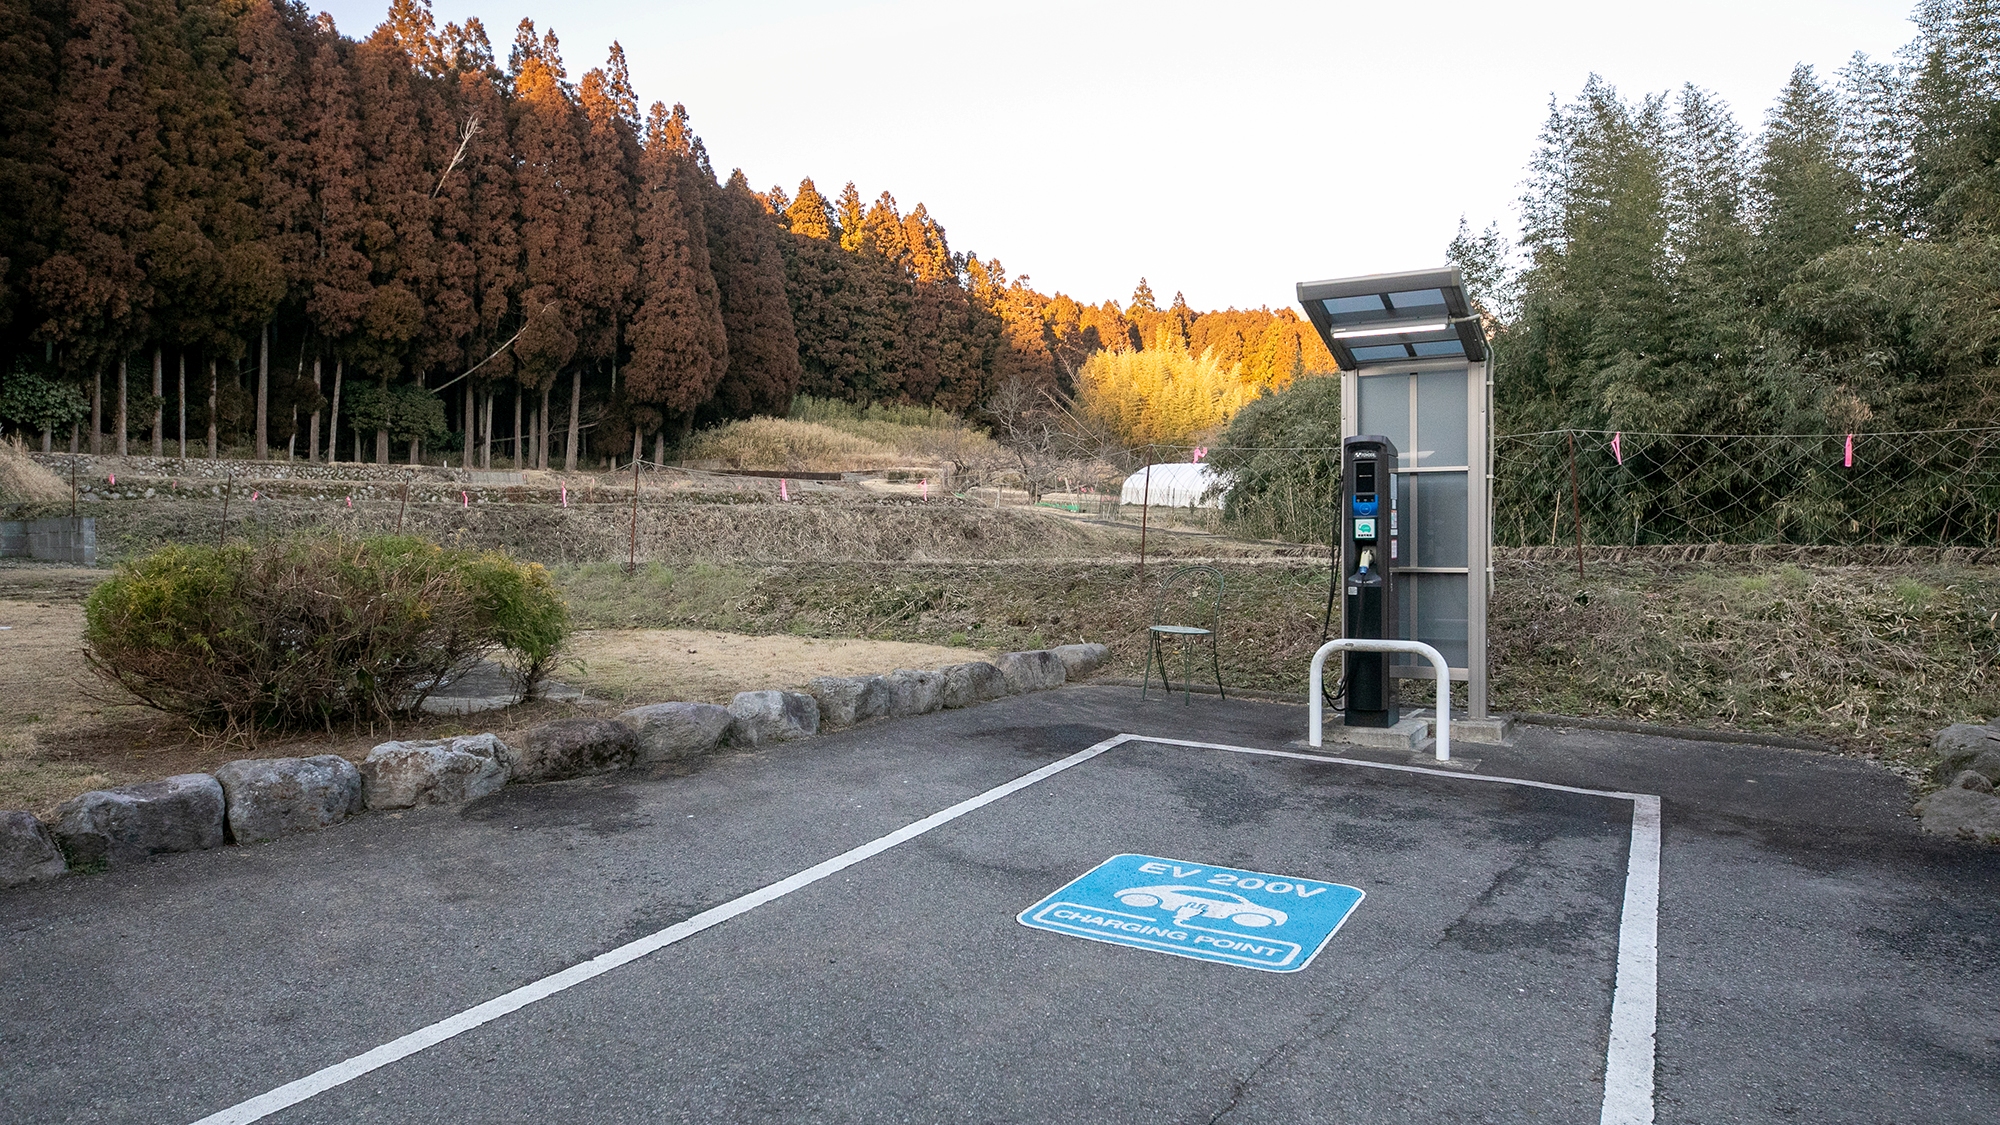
[
  {"x": 575, "y": 404},
  {"x": 333, "y": 415},
  {"x": 542, "y": 421},
  {"x": 471, "y": 419},
  {"x": 520, "y": 392},
  {"x": 312, "y": 442},
  {"x": 48, "y": 439},
  {"x": 159, "y": 400},
  {"x": 214, "y": 392},
  {"x": 73, "y": 427},
  {"x": 97, "y": 411},
  {"x": 382, "y": 435},
  {"x": 660, "y": 447},
  {"x": 486, "y": 434},
  {"x": 263, "y": 443},
  {"x": 124, "y": 368},
  {"x": 415, "y": 445},
  {"x": 181, "y": 400}
]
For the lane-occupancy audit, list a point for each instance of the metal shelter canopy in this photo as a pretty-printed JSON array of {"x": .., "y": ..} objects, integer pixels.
[
  {"x": 1394, "y": 318},
  {"x": 1414, "y": 367}
]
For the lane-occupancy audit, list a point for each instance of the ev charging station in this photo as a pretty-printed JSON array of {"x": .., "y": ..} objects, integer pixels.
[{"x": 1416, "y": 478}]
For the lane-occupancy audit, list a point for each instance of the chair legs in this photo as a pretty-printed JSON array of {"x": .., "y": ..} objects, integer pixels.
[{"x": 1156, "y": 649}]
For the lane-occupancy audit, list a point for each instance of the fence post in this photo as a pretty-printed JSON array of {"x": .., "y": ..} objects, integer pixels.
[
  {"x": 1576, "y": 504},
  {"x": 1145, "y": 501},
  {"x": 632, "y": 553}
]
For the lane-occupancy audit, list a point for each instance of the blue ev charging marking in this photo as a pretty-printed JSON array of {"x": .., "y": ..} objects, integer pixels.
[{"x": 1271, "y": 922}]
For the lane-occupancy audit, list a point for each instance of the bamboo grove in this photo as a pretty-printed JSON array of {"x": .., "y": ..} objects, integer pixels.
[
  {"x": 1734, "y": 304},
  {"x": 224, "y": 222}
]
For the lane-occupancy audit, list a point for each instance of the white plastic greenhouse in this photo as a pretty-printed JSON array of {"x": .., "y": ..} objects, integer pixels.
[{"x": 1179, "y": 485}]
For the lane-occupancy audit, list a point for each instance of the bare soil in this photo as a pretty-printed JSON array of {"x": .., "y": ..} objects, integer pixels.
[{"x": 636, "y": 666}]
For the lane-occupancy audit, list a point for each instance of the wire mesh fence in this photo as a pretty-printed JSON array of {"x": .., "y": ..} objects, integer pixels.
[
  {"x": 1932, "y": 488},
  {"x": 1603, "y": 488}
]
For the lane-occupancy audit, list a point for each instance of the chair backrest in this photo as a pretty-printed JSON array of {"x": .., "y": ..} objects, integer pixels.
[{"x": 1190, "y": 595}]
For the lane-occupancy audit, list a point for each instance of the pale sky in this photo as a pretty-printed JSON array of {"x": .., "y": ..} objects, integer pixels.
[{"x": 1223, "y": 150}]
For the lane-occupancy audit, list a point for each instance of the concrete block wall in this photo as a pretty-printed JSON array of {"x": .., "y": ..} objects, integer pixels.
[{"x": 62, "y": 539}]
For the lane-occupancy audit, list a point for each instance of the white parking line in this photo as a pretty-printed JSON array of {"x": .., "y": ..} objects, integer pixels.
[{"x": 1628, "y": 1076}]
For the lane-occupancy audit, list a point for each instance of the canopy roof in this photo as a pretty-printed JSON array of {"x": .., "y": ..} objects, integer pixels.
[{"x": 1389, "y": 318}]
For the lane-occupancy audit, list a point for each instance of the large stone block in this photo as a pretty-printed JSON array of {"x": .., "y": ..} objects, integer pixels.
[
  {"x": 125, "y": 825},
  {"x": 846, "y": 700},
  {"x": 914, "y": 691},
  {"x": 266, "y": 798},
  {"x": 762, "y": 717},
  {"x": 1081, "y": 660},
  {"x": 572, "y": 748},
  {"x": 27, "y": 851},
  {"x": 1035, "y": 670},
  {"x": 1963, "y": 813},
  {"x": 670, "y": 732},
  {"x": 401, "y": 775},
  {"x": 1960, "y": 745},
  {"x": 976, "y": 682}
]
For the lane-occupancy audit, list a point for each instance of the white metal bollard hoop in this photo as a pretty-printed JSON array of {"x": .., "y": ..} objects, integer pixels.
[{"x": 1317, "y": 703}]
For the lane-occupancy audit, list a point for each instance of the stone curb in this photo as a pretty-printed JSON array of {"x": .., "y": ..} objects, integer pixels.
[{"x": 261, "y": 799}]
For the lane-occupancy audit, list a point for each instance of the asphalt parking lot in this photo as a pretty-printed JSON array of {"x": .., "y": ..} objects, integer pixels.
[{"x": 914, "y": 921}]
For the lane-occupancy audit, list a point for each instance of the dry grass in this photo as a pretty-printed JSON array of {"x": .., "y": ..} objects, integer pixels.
[
  {"x": 780, "y": 443},
  {"x": 22, "y": 481},
  {"x": 1869, "y": 659}
]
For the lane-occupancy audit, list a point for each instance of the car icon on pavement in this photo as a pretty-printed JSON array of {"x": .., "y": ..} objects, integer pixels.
[{"x": 1202, "y": 902}]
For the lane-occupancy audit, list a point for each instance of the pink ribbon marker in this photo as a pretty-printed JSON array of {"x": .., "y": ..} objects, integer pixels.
[
  {"x": 113, "y": 478},
  {"x": 565, "y": 495},
  {"x": 350, "y": 499},
  {"x": 464, "y": 501},
  {"x": 1848, "y": 462},
  {"x": 927, "y": 488},
  {"x": 1617, "y": 447},
  {"x": 783, "y": 493},
  {"x": 253, "y": 494}
]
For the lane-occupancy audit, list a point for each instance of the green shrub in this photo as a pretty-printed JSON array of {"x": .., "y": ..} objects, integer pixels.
[
  {"x": 1282, "y": 456},
  {"x": 311, "y": 629}
]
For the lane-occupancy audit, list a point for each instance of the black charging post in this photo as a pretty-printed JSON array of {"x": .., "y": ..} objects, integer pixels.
[{"x": 1370, "y": 537}]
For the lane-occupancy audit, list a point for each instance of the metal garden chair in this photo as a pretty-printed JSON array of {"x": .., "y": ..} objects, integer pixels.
[{"x": 1184, "y": 598}]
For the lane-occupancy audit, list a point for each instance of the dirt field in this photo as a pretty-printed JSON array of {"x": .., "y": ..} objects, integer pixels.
[{"x": 635, "y": 666}]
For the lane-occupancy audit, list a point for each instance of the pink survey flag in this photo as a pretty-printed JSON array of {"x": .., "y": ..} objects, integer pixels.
[
  {"x": 253, "y": 494},
  {"x": 565, "y": 495},
  {"x": 1618, "y": 447},
  {"x": 350, "y": 499},
  {"x": 927, "y": 488},
  {"x": 1848, "y": 460},
  {"x": 113, "y": 478},
  {"x": 783, "y": 492},
  {"x": 464, "y": 501}
]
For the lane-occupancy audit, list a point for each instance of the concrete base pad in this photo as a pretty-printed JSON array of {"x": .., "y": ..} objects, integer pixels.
[{"x": 1409, "y": 734}]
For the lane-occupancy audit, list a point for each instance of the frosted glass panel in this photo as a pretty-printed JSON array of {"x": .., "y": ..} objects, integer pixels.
[
  {"x": 1440, "y": 519},
  {"x": 1441, "y": 421},
  {"x": 1434, "y": 612},
  {"x": 1385, "y": 409}
]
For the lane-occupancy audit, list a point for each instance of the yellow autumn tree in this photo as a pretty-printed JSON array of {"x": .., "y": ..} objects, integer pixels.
[{"x": 1161, "y": 395}]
